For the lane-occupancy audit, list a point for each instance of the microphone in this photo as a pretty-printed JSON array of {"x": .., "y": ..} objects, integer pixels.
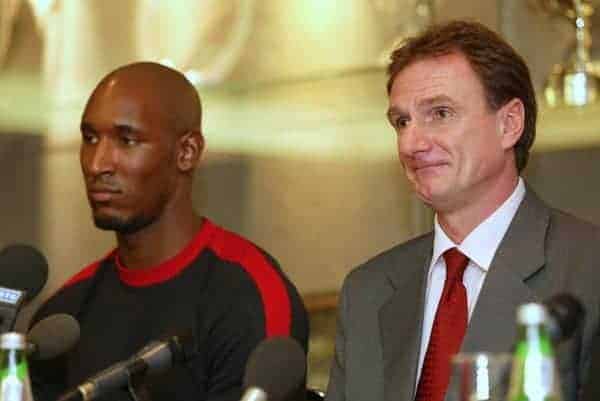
[
  {"x": 565, "y": 316},
  {"x": 275, "y": 370},
  {"x": 154, "y": 358},
  {"x": 52, "y": 336},
  {"x": 23, "y": 274},
  {"x": 23, "y": 268}
]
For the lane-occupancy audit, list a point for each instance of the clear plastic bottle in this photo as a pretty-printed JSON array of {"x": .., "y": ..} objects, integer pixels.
[
  {"x": 14, "y": 373},
  {"x": 533, "y": 375}
]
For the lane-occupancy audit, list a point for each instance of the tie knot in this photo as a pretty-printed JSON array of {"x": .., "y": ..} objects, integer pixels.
[{"x": 456, "y": 263}]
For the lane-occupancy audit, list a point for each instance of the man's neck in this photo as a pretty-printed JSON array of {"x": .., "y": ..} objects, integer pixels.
[
  {"x": 158, "y": 242},
  {"x": 460, "y": 222}
]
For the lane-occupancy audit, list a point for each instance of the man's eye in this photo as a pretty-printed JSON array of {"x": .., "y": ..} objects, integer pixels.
[
  {"x": 441, "y": 113},
  {"x": 401, "y": 122},
  {"x": 89, "y": 138},
  {"x": 129, "y": 141}
]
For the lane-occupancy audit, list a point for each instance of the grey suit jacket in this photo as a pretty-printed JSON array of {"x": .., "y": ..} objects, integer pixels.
[{"x": 544, "y": 252}]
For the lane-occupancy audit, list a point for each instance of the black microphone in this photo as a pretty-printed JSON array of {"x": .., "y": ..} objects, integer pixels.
[
  {"x": 52, "y": 336},
  {"x": 156, "y": 357},
  {"x": 565, "y": 314},
  {"x": 23, "y": 268},
  {"x": 23, "y": 274},
  {"x": 275, "y": 371}
]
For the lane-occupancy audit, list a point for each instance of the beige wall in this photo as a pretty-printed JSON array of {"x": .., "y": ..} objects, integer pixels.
[{"x": 299, "y": 156}]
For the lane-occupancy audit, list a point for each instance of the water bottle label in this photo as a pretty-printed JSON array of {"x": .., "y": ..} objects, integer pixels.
[{"x": 11, "y": 389}]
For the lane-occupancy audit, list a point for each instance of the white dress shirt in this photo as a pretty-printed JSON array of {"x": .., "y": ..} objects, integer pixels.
[{"x": 480, "y": 247}]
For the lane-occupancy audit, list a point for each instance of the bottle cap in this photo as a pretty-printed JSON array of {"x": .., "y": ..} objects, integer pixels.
[
  {"x": 531, "y": 313},
  {"x": 12, "y": 341}
]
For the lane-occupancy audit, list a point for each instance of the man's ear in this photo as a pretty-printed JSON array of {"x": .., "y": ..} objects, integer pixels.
[
  {"x": 191, "y": 146},
  {"x": 511, "y": 122}
]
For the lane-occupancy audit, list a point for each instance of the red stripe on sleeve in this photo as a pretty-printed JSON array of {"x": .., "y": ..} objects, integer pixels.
[
  {"x": 271, "y": 286},
  {"x": 87, "y": 272}
]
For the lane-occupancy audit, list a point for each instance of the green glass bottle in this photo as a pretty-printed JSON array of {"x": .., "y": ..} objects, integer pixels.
[
  {"x": 533, "y": 374},
  {"x": 14, "y": 374}
]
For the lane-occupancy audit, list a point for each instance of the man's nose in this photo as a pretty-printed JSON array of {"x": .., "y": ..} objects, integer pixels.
[
  {"x": 413, "y": 139},
  {"x": 99, "y": 158}
]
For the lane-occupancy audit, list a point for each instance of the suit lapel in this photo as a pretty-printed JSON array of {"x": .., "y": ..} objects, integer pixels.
[
  {"x": 400, "y": 320},
  {"x": 519, "y": 257}
]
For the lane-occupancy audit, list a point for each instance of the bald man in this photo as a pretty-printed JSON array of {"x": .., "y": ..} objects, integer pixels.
[{"x": 172, "y": 270}]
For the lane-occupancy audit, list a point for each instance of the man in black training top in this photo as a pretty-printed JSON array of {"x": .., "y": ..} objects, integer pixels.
[{"x": 172, "y": 269}]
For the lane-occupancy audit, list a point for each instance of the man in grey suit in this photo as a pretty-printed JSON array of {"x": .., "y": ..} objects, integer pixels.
[{"x": 463, "y": 107}]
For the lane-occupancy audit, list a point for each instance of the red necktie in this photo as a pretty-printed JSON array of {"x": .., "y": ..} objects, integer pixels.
[{"x": 447, "y": 332}]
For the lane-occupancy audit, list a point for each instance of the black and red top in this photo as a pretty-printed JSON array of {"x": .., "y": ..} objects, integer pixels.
[{"x": 223, "y": 288}]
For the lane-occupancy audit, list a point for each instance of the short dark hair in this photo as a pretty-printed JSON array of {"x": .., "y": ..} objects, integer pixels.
[{"x": 501, "y": 70}]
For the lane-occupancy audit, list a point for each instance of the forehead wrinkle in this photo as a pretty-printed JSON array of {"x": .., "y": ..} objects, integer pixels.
[
  {"x": 434, "y": 100},
  {"x": 417, "y": 98},
  {"x": 427, "y": 81}
]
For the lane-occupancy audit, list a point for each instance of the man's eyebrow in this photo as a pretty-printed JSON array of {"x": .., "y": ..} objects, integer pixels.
[
  {"x": 125, "y": 127},
  {"x": 86, "y": 127},
  {"x": 394, "y": 112}
]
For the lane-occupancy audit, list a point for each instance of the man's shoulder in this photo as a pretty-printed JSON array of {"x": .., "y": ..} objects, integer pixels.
[
  {"x": 239, "y": 263},
  {"x": 88, "y": 272},
  {"x": 235, "y": 248},
  {"x": 571, "y": 235},
  {"x": 563, "y": 220},
  {"x": 68, "y": 297},
  {"x": 561, "y": 223},
  {"x": 257, "y": 280},
  {"x": 399, "y": 256}
]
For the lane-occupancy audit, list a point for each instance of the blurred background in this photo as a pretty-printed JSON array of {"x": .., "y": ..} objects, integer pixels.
[{"x": 299, "y": 156}]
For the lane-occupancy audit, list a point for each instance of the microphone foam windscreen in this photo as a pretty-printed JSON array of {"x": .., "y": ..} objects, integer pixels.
[
  {"x": 22, "y": 267},
  {"x": 567, "y": 312},
  {"x": 54, "y": 335},
  {"x": 277, "y": 366}
]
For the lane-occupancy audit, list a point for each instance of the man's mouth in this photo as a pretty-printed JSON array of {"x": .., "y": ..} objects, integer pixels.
[{"x": 102, "y": 194}]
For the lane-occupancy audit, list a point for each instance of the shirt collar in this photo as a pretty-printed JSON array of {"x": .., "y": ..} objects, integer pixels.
[{"x": 481, "y": 244}]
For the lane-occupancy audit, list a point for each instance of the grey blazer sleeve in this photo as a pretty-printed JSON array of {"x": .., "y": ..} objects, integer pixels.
[{"x": 337, "y": 378}]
